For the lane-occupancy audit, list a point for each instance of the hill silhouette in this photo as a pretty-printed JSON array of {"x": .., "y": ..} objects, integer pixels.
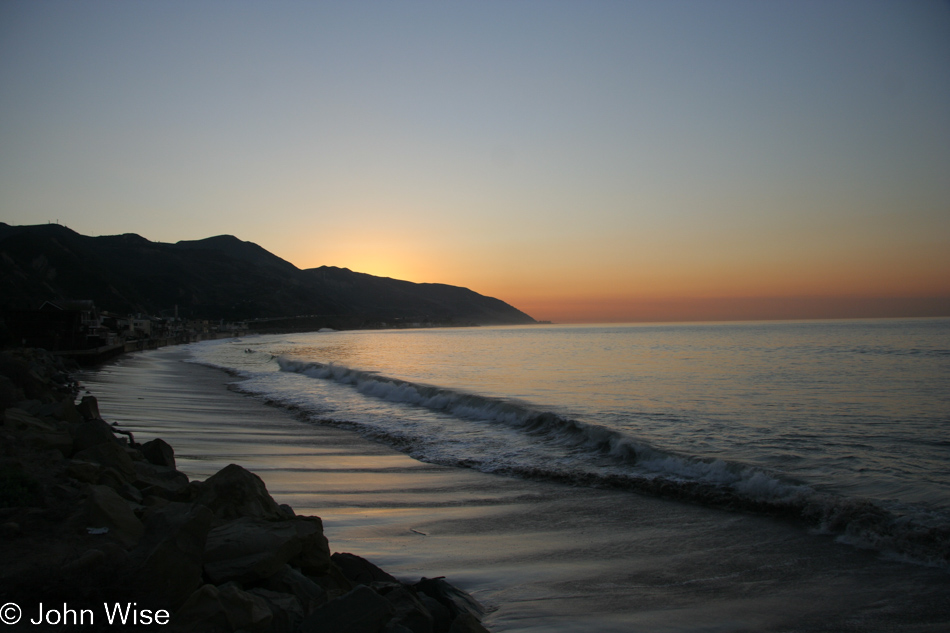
[{"x": 219, "y": 277}]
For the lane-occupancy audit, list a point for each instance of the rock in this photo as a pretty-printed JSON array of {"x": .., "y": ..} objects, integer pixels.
[
  {"x": 285, "y": 609},
  {"x": 159, "y": 452},
  {"x": 466, "y": 623},
  {"x": 10, "y": 530},
  {"x": 91, "y": 433},
  {"x": 453, "y": 598},
  {"x": 441, "y": 616},
  {"x": 362, "y": 610},
  {"x": 63, "y": 410},
  {"x": 110, "y": 455},
  {"x": 126, "y": 491},
  {"x": 104, "y": 508},
  {"x": 314, "y": 556},
  {"x": 95, "y": 545},
  {"x": 15, "y": 370},
  {"x": 169, "y": 556},
  {"x": 112, "y": 478},
  {"x": 39, "y": 433},
  {"x": 334, "y": 583},
  {"x": 210, "y": 609},
  {"x": 360, "y": 570},
  {"x": 234, "y": 492},
  {"x": 86, "y": 472},
  {"x": 408, "y": 610},
  {"x": 250, "y": 549},
  {"x": 30, "y": 406},
  {"x": 64, "y": 496},
  {"x": 19, "y": 488},
  {"x": 159, "y": 480},
  {"x": 21, "y": 418},
  {"x": 84, "y": 562},
  {"x": 9, "y": 393},
  {"x": 153, "y": 503},
  {"x": 191, "y": 492},
  {"x": 88, "y": 408},
  {"x": 288, "y": 580}
]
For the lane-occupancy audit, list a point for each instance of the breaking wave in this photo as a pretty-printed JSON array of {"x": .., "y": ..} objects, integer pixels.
[{"x": 605, "y": 458}]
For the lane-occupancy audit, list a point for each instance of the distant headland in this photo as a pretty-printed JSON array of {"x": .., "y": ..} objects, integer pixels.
[{"x": 213, "y": 281}]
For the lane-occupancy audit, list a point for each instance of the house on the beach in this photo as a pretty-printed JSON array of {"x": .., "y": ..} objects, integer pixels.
[{"x": 62, "y": 324}]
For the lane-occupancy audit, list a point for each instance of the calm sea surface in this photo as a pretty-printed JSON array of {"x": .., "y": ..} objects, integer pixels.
[{"x": 844, "y": 425}]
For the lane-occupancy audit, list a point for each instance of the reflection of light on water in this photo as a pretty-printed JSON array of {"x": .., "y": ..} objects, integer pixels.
[{"x": 846, "y": 406}]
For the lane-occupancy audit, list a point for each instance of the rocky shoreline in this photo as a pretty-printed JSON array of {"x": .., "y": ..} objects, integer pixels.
[{"x": 100, "y": 532}]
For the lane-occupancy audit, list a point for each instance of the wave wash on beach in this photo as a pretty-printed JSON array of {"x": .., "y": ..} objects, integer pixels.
[
  {"x": 94, "y": 519},
  {"x": 781, "y": 419},
  {"x": 541, "y": 552}
]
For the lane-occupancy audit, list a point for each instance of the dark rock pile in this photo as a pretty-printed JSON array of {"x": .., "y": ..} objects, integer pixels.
[{"x": 97, "y": 530}]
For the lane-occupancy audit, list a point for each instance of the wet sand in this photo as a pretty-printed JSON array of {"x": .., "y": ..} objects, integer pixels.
[{"x": 542, "y": 556}]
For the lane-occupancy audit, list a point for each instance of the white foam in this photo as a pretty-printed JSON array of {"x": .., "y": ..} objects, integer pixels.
[{"x": 599, "y": 441}]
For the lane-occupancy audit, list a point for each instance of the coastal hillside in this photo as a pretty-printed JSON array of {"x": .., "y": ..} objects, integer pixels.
[{"x": 219, "y": 277}]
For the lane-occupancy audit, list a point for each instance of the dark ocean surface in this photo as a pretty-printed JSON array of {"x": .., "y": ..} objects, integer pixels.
[{"x": 713, "y": 477}]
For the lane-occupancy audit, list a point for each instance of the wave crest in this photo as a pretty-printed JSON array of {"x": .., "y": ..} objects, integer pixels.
[{"x": 635, "y": 465}]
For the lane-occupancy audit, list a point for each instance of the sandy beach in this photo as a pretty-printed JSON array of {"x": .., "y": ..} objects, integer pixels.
[{"x": 540, "y": 556}]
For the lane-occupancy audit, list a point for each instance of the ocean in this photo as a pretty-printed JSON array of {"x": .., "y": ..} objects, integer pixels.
[{"x": 842, "y": 427}]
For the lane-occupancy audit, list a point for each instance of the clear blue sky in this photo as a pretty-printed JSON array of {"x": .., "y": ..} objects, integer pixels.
[{"x": 577, "y": 159}]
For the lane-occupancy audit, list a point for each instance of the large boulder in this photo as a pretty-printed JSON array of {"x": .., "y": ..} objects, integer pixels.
[
  {"x": 32, "y": 372},
  {"x": 250, "y": 549},
  {"x": 91, "y": 433},
  {"x": 362, "y": 610},
  {"x": 61, "y": 409},
  {"x": 224, "y": 609},
  {"x": 314, "y": 556},
  {"x": 85, "y": 472},
  {"x": 107, "y": 513},
  {"x": 88, "y": 408},
  {"x": 41, "y": 433},
  {"x": 453, "y": 598},
  {"x": 285, "y": 608},
  {"x": 159, "y": 452},
  {"x": 110, "y": 455},
  {"x": 288, "y": 580},
  {"x": 10, "y": 394},
  {"x": 334, "y": 583},
  {"x": 441, "y": 617},
  {"x": 467, "y": 623},
  {"x": 169, "y": 556},
  {"x": 408, "y": 610},
  {"x": 359, "y": 570},
  {"x": 234, "y": 492},
  {"x": 160, "y": 480}
]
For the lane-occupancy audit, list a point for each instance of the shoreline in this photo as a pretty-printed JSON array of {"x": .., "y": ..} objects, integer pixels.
[
  {"x": 543, "y": 556},
  {"x": 91, "y": 517}
]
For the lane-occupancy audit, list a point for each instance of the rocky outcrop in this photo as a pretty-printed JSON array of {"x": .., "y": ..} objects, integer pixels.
[{"x": 89, "y": 516}]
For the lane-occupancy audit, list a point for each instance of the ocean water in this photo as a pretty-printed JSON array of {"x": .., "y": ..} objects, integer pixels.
[{"x": 842, "y": 426}]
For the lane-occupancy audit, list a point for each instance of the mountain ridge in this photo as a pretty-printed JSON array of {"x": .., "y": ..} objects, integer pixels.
[{"x": 219, "y": 277}]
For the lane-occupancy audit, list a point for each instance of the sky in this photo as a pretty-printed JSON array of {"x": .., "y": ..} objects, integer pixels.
[{"x": 583, "y": 161}]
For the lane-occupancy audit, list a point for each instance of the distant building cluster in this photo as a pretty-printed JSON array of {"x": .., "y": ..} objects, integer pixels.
[{"x": 78, "y": 329}]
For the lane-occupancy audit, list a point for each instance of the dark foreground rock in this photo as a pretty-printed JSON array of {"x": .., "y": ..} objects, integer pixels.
[{"x": 110, "y": 530}]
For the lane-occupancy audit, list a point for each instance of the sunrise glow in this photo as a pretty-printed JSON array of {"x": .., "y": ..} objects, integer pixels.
[{"x": 581, "y": 162}]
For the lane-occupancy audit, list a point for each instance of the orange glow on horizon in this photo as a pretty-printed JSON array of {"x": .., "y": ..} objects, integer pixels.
[
  {"x": 634, "y": 310},
  {"x": 617, "y": 280}
]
